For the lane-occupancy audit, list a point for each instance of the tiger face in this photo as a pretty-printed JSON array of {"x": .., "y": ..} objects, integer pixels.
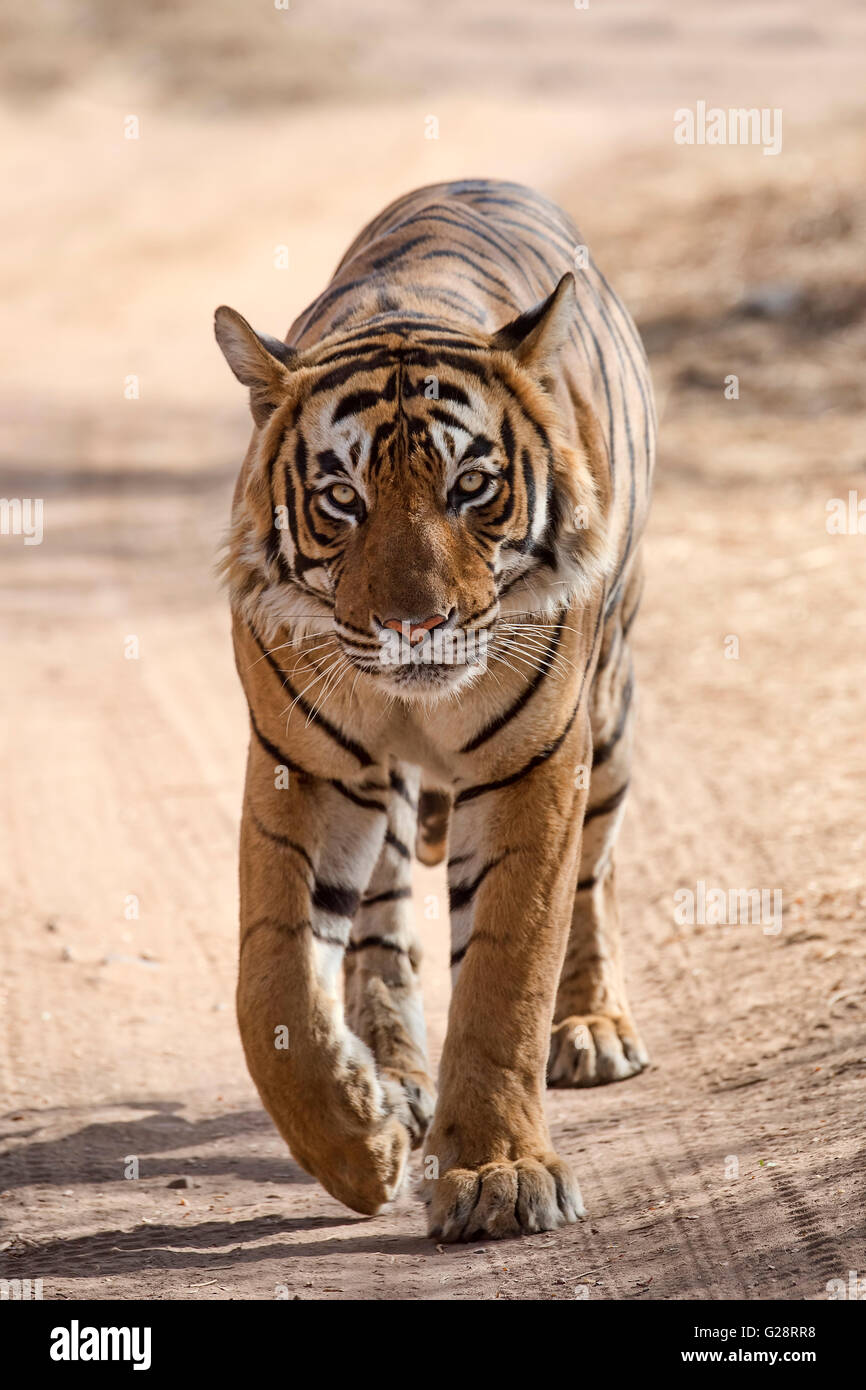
[{"x": 412, "y": 487}]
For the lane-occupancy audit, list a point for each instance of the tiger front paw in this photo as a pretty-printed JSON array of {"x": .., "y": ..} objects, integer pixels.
[
  {"x": 356, "y": 1138},
  {"x": 506, "y": 1198}
]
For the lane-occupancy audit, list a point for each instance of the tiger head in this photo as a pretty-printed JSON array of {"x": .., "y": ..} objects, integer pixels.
[{"x": 410, "y": 485}]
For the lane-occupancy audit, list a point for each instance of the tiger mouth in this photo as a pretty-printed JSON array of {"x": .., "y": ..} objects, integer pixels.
[
  {"x": 420, "y": 672},
  {"x": 427, "y": 680},
  {"x": 440, "y": 651}
]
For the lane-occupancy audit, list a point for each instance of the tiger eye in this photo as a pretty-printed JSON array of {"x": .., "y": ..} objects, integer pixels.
[
  {"x": 343, "y": 495},
  {"x": 471, "y": 482}
]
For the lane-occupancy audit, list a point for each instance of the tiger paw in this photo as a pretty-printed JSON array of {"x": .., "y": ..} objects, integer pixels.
[
  {"x": 356, "y": 1141},
  {"x": 418, "y": 1101},
  {"x": 364, "y": 1173},
  {"x": 593, "y": 1049},
  {"x": 503, "y": 1199}
]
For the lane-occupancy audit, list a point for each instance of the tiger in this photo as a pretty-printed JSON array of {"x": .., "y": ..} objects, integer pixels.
[{"x": 433, "y": 566}]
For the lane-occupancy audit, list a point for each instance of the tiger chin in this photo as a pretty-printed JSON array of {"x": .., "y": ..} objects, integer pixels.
[{"x": 433, "y": 567}]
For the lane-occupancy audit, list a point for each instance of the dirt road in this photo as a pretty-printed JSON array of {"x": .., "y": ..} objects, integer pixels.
[{"x": 734, "y": 1166}]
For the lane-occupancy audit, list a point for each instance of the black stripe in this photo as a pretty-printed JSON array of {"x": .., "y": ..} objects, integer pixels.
[
  {"x": 276, "y": 753},
  {"x": 522, "y": 700},
  {"x": 320, "y": 720},
  {"x": 642, "y": 377},
  {"x": 461, "y": 894},
  {"x": 353, "y": 796},
  {"x": 529, "y": 485},
  {"x": 446, "y": 418},
  {"x": 391, "y": 839},
  {"x": 330, "y": 463},
  {"x": 612, "y": 652},
  {"x": 378, "y": 941},
  {"x": 619, "y": 344},
  {"x": 399, "y": 251},
  {"x": 280, "y": 757},
  {"x": 499, "y": 244},
  {"x": 469, "y": 793},
  {"x": 415, "y": 354},
  {"x": 604, "y": 750},
  {"x": 604, "y": 808},
  {"x": 455, "y": 255},
  {"x": 359, "y": 401},
  {"x": 358, "y": 364},
  {"x": 332, "y": 897},
  {"x": 362, "y": 632},
  {"x": 399, "y": 786},
  {"x": 282, "y": 840},
  {"x": 457, "y": 956},
  {"x": 627, "y": 622},
  {"x": 391, "y": 895},
  {"x": 336, "y": 937},
  {"x": 366, "y": 336},
  {"x": 321, "y": 305}
]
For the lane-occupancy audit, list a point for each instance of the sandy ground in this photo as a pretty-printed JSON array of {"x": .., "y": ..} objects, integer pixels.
[{"x": 734, "y": 1166}]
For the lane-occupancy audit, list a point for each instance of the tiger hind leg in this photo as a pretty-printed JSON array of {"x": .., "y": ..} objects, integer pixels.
[
  {"x": 594, "y": 1039},
  {"x": 381, "y": 968}
]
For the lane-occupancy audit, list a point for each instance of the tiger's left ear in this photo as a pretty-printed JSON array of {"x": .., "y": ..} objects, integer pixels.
[{"x": 537, "y": 335}]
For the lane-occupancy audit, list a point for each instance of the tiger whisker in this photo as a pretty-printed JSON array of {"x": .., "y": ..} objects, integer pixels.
[
  {"x": 522, "y": 644},
  {"x": 516, "y": 669},
  {"x": 539, "y": 656},
  {"x": 288, "y": 710},
  {"x": 354, "y": 683},
  {"x": 539, "y": 627},
  {"x": 337, "y": 683},
  {"x": 335, "y": 673},
  {"x": 528, "y": 644},
  {"x": 309, "y": 652},
  {"x": 295, "y": 642},
  {"x": 533, "y": 662}
]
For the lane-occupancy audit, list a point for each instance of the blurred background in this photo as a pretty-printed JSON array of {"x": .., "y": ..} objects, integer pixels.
[{"x": 263, "y": 139}]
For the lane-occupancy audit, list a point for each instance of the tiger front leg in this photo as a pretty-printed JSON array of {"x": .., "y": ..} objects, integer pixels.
[
  {"x": 307, "y": 853},
  {"x": 490, "y": 1169}
]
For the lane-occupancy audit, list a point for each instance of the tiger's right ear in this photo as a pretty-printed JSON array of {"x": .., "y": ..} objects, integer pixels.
[
  {"x": 536, "y": 336},
  {"x": 258, "y": 361}
]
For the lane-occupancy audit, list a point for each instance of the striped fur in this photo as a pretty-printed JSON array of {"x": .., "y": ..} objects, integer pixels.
[{"x": 458, "y": 431}]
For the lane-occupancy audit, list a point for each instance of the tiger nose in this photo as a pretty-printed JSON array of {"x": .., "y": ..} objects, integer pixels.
[{"x": 416, "y": 627}]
